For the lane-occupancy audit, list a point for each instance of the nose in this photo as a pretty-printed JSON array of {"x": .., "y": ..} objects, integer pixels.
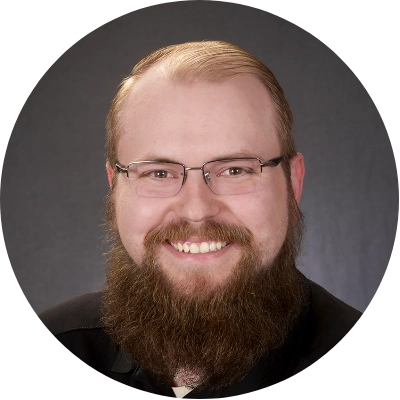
[{"x": 195, "y": 201}]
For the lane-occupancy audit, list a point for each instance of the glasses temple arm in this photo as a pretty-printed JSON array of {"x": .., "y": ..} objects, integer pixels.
[
  {"x": 273, "y": 163},
  {"x": 121, "y": 169}
]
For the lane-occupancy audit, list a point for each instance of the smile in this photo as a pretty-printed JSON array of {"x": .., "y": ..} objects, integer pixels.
[{"x": 197, "y": 248}]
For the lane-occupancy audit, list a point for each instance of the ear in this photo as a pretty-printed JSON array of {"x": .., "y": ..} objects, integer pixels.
[
  {"x": 110, "y": 173},
  {"x": 297, "y": 175}
]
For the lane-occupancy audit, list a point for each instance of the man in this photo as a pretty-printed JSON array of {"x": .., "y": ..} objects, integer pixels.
[{"x": 202, "y": 297}]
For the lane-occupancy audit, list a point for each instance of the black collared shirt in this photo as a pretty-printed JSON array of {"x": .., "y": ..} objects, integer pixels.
[{"x": 324, "y": 322}]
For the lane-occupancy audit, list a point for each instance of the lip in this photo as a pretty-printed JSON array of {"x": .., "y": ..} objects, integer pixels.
[{"x": 200, "y": 257}]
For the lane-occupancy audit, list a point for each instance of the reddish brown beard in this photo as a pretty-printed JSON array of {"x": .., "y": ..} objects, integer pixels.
[{"x": 214, "y": 336}]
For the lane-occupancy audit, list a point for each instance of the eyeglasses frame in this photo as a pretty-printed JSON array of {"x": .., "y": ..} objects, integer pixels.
[{"x": 273, "y": 162}]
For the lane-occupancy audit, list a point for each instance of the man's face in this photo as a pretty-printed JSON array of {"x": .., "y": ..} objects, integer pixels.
[{"x": 191, "y": 124}]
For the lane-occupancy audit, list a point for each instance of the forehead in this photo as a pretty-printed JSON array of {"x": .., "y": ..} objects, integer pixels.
[{"x": 198, "y": 121}]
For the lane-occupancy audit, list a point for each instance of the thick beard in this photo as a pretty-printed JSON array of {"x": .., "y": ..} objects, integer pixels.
[{"x": 214, "y": 336}]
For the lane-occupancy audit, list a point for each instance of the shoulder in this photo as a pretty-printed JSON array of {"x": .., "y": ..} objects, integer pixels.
[
  {"x": 76, "y": 313},
  {"x": 329, "y": 320},
  {"x": 328, "y": 310}
]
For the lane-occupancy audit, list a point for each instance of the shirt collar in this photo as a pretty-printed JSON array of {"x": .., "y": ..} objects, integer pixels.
[{"x": 123, "y": 363}]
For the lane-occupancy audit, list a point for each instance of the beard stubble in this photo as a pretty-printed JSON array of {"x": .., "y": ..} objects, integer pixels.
[{"x": 214, "y": 336}]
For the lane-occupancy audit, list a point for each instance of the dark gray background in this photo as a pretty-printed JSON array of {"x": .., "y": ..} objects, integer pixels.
[{"x": 54, "y": 180}]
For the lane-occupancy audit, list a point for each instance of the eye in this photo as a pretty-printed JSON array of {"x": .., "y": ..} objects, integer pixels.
[
  {"x": 235, "y": 171},
  {"x": 159, "y": 174}
]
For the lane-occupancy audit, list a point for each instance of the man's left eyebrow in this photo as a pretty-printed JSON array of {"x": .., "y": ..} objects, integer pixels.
[
  {"x": 241, "y": 154},
  {"x": 226, "y": 156}
]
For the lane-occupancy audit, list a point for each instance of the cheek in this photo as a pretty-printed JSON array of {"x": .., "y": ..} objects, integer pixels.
[
  {"x": 135, "y": 217},
  {"x": 266, "y": 216}
]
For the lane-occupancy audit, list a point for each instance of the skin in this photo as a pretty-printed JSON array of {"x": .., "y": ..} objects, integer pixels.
[{"x": 191, "y": 124}]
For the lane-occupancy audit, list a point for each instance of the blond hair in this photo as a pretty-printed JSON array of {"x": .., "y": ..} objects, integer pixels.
[{"x": 203, "y": 61}]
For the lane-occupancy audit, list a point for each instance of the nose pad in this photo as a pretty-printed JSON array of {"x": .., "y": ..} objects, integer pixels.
[
  {"x": 207, "y": 178},
  {"x": 184, "y": 176}
]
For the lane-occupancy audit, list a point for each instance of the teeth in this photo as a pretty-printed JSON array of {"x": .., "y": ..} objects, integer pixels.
[
  {"x": 204, "y": 248},
  {"x": 196, "y": 248}
]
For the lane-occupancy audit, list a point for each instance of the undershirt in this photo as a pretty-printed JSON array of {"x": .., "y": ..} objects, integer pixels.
[{"x": 181, "y": 391}]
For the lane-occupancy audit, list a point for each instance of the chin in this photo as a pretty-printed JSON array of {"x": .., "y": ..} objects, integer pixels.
[{"x": 196, "y": 281}]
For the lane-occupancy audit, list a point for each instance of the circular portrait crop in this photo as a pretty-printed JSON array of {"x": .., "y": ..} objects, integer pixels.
[{"x": 198, "y": 199}]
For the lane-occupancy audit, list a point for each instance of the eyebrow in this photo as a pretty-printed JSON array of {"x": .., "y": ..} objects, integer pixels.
[{"x": 241, "y": 154}]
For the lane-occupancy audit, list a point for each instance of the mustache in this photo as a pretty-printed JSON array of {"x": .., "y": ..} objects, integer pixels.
[{"x": 211, "y": 230}]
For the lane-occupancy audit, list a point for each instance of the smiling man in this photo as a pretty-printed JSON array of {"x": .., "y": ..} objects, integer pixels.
[{"x": 202, "y": 297}]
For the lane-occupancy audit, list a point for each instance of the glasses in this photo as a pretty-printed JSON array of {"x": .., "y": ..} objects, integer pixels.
[{"x": 223, "y": 177}]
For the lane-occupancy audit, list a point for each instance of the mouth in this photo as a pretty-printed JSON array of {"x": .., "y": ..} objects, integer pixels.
[{"x": 197, "y": 247}]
